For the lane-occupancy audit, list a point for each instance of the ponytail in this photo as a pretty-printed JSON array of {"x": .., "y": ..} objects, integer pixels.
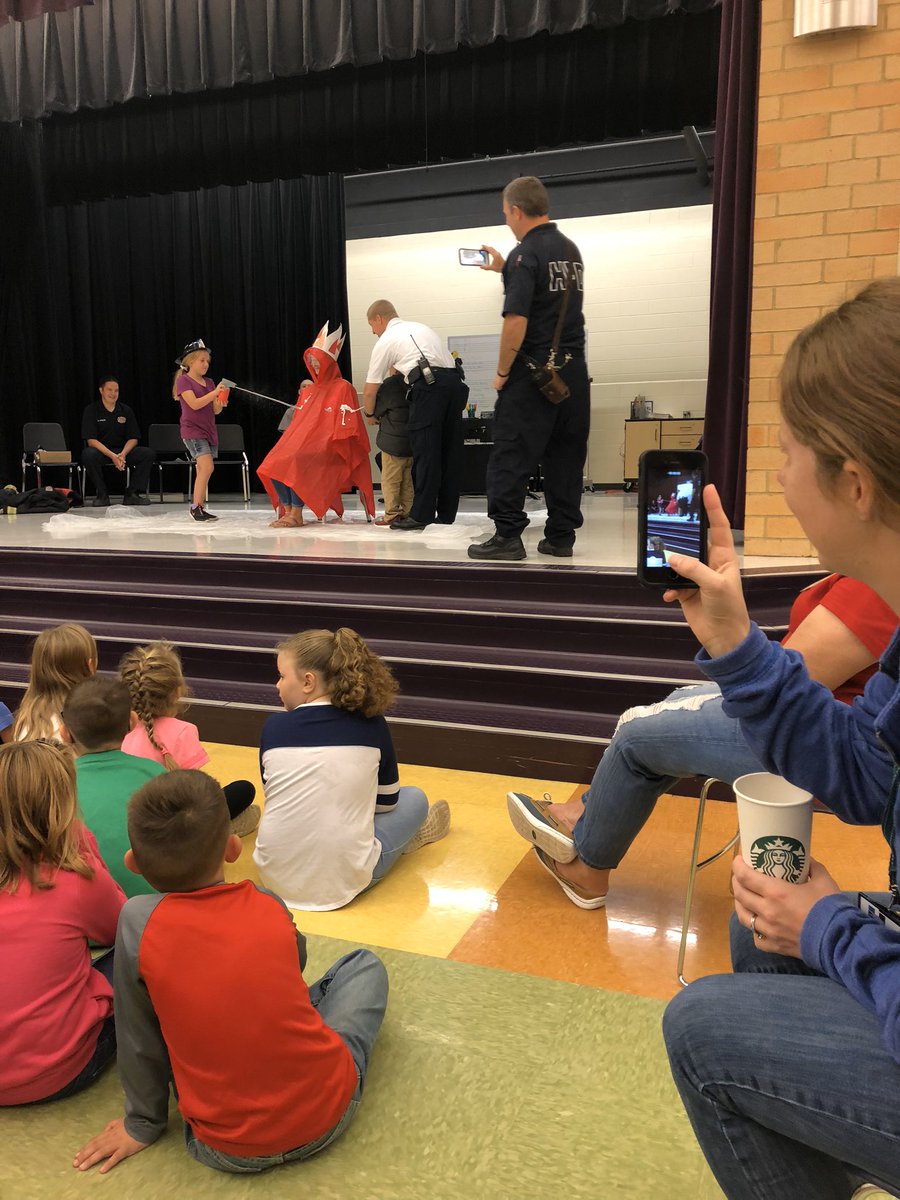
[{"x": 355, "y": 678}]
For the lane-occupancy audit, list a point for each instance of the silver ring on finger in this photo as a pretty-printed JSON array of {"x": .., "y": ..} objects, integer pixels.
[{"x": 756, "y": 933}]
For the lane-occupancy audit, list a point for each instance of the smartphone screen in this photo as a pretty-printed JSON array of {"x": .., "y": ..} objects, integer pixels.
[
  {"x": 671, "y": 516},
  {"x": 473, "y": 258}
]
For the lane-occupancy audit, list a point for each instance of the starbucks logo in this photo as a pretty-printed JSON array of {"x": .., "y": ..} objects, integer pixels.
[{"x": 779, "y": 857}]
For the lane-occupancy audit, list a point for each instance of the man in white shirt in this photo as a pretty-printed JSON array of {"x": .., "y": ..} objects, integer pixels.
[{"x": 437, "y": 399}]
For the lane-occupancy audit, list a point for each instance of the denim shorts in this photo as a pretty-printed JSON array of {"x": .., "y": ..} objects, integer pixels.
[{"x": 198, "y": 446}]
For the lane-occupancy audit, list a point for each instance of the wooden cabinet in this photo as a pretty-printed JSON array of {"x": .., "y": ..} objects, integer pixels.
[{"x": 654, "y": 434}]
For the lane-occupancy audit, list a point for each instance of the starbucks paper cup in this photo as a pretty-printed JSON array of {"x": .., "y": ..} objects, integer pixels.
[{"x": 775, "y": 820}]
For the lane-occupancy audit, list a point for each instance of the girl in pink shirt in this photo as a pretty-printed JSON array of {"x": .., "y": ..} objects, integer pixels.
[
  {"x": 56, "y": 1024},
  {"x": 154, "y": 677}
]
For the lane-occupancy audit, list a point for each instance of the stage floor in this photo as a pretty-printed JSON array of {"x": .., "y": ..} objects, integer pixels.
[{"x": 606, "y": 541}]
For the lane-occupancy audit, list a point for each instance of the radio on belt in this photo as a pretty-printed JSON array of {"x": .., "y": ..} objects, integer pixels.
[{"x": 422, "y": 363}]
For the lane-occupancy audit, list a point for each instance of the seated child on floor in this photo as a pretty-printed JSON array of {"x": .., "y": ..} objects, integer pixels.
[
  {"x": 336, "y": 818},
  {"x": 56, "y": 1025},
  {"x": 199, "y": 967},
  {"x": 154, "y": 677},
  {"x": 62, "y": 656},
  {"x": 96, "y": 716}
]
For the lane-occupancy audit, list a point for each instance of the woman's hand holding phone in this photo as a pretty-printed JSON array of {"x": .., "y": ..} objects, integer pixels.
[{"x": 715, "y": 607}]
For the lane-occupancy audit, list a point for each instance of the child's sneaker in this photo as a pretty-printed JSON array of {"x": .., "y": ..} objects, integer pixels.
[
  {"x": 200, "y": 514},
  {"x": 435, "y": 826}
]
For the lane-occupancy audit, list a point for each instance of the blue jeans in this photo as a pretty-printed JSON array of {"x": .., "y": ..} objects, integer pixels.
[
  {"x": 286, "y": 495},
  {"x": 396, "y": 828},
  {"x": 351, "y": 998},
  {"x": 653, "y": 746},
  {"x": 786, "y": 1080}
]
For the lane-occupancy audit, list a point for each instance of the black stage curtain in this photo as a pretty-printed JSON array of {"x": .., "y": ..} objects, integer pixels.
[
  {"x": 725, "y": 428},
  {"x": 510, "y": 97},
  {"x": 125, "y": 49},
  {"x": 120, "y": 285}
]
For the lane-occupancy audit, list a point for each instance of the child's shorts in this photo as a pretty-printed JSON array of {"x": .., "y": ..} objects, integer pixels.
[{"x": 198, "y": 446}]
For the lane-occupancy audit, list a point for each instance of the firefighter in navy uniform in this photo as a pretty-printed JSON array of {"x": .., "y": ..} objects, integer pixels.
[
  {"x": 528, "y": 428},
  {"x": 437, "y": 397}
]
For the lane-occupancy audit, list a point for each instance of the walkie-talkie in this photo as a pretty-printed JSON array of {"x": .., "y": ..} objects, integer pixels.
[{"x": 422, "y": 362}]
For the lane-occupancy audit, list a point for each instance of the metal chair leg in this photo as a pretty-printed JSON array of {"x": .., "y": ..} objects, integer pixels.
[{"x": 697, "y": 865}]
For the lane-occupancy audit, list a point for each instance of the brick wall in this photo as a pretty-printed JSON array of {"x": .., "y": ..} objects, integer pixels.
[{"x": 827, "y": 214}]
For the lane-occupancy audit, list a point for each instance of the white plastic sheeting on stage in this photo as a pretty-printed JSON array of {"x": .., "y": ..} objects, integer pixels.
[{"x": 141, "y": 523}]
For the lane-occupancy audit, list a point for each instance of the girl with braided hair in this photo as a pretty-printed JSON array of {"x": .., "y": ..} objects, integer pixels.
[
  {"x": 336, "y": 818},
  {"x": 157, "y": 686}
]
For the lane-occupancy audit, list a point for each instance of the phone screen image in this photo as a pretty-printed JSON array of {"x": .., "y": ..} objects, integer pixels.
[
  {"x": 671, "y": 516},
  {"x": 473, "y": 258}
]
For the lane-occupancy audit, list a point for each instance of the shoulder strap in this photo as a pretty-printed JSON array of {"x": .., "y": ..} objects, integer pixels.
[{"x": 564, "y": 307}]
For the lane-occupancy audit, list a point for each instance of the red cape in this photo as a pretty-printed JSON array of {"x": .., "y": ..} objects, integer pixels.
[{"x": 325, "y": 449}]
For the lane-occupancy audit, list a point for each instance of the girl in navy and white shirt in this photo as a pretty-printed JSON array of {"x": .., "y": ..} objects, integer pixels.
[{"x": 336, "y": 818}]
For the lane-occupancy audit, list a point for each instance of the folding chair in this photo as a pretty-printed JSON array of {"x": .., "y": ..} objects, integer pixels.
[
  {"x": 231, "y": 441},
  {"x": 170, "y": 452},
  {"x": 44, "y": 435},
  {"x": 697, "y": 864}
]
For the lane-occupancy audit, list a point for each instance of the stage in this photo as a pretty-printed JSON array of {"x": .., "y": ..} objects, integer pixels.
[{"x": 608, "y": 539}]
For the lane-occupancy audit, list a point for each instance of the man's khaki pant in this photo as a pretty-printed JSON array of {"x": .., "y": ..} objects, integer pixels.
[{"x": 396, "y": 485}]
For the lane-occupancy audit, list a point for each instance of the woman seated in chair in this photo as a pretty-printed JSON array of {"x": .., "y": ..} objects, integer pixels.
[
  {"x": 840, "y": 626},
  {"x": 790, "y": 1068}
]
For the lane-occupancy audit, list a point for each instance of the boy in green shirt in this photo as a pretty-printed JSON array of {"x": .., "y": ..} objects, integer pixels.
[{"x": 96, "y": 718}]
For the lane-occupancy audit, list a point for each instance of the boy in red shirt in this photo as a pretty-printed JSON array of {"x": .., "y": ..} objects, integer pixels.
[{"x": 189, "y": 960}]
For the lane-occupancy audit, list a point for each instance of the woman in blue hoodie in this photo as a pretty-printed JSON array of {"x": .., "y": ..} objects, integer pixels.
[{"x": 790, "y": 1068}]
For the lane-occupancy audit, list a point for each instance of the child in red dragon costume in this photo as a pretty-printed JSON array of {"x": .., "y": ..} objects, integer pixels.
[{"x": 325, "y": 449}]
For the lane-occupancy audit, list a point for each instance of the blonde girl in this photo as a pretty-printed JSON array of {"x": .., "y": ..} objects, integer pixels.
[
  {"x": 156, "y": 684},
  {"x": 56, "y": 1024},
  {"x": 61, "y": 657},
  {"x": 201, "y": 402},
  {"x": 336, "y": 818}
]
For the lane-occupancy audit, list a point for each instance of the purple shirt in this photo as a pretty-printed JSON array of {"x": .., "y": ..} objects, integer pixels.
[{"x": 196, "y": 422}]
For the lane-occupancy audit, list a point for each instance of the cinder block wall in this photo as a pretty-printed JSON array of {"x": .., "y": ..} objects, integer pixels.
[{"x": 827, "y": 214}]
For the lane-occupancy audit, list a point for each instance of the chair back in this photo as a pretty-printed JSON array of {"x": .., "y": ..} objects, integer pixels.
[
  {"x": 47, "y": 435},
  {"x": 166, "y": 439},
  {"x": 231, "y": 439}
]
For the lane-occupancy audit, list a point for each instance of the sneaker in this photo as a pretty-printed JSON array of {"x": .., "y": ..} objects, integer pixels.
[
  {"x": 248, "y": 820},
  {"x": 576, "y": 894},
  {"x": 200, "y": 514},
  {"x": 547, "y": 547},
  {"x": 100, "y": 502},
  {"x": 499, "y": 549},
  {"x": 136, "y": 498},
  {"x": 533, "y": 822},
  {"x": 435, "y": 826}
]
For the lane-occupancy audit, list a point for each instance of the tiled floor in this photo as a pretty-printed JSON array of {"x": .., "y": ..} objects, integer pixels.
[
  {"x": 479, "y": 896},
  {"x": 608, "y": 538}
]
